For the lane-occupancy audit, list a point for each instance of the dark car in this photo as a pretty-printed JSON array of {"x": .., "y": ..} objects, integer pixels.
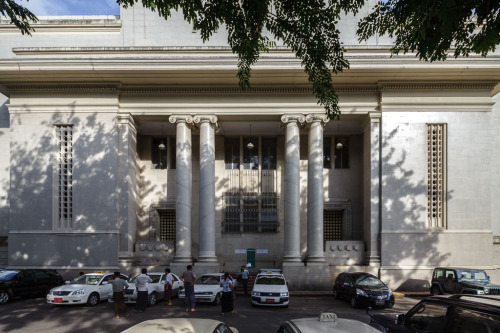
[
  {"x": 27, "y": 283},
  {"x": 462, "y": 281},
  {"x": 363, "y": 289},
  {"x": 442, "y": 314}
]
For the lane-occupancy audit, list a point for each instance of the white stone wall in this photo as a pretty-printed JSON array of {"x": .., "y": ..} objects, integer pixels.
[{"x": 4, "y": 165}]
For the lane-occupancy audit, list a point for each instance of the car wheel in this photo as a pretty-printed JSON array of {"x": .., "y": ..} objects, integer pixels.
[
  {"x": 217, "y": 299},
  {"x": 435, "y": 290},
  {"x": 4, "y": 296},
  {"x": 335, "y": 294},
  {"x": 354, "y": 302},
  {"x": 93, "y": 299},
  {"x": 390, "y": 305},
  {"x": 152, "y": 299}
]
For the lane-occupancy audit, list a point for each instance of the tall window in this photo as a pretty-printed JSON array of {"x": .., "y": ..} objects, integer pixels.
[
  {"x": 163, "y": 158},
  {"x": 436, "y": 175},
  {"x": 333, "y": 225},
  {"x": 232, "y": 153},
  {"x": 341, "y": 152},
  {"x": 327, "y": 153},
  {"x": 269, "y": 151},
  {"x": 64, "y": 167},
  {"x": 167, "y": 225}
]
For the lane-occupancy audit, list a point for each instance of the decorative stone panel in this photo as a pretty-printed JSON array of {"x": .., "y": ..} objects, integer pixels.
[{"x": 345, "y": 253}]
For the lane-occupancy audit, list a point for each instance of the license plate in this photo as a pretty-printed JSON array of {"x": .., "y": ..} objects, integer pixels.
[
  {"x": 379, "y": 302},
  {"x": 269, "y": 300},
  {"x": 58, "y": 299}
]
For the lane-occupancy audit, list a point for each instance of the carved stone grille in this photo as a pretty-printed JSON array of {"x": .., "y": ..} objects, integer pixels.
[
  {"x": 436, "y": 175},
  {"x": 64, "y": 167},
  {"x": 332, "y": 225},
  {"x": 167, "y": 225}
]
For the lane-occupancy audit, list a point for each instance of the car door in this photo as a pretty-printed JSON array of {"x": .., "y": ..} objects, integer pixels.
[
  {"x": 106, "y": 290},
  {"x": 339, "y": 285},
  {"x": 450, "y": 282},
  {"x": 25, "y": 284},
  {"x": 176, "y": 284},
  {"x": 429, "y": 317}
]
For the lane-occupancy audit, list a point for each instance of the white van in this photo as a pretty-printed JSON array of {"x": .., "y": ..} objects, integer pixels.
[{"x": 270, "y": 288}]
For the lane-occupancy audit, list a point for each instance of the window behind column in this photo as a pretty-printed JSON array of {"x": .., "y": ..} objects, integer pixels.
[
  {"x": 64, "y": 176},
  {"x": 163, "y": 159},
  {"x": 333, "y": 225},
  {"x": 232, "y": 153},
  {"x": 341, "y": 152}
]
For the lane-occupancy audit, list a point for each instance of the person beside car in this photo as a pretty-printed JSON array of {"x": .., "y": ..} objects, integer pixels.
[
  {"x": 169, "y": 281},
  {"x": 226, "y": 301},
  {"x": 119, "y": 287},
  {"x": 141, "y": 284},
  {"x": 243, "y": 275},
  {"x": 188, "y": 278}
]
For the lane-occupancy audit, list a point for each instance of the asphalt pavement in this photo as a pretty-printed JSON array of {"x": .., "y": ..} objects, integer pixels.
[{"x": 35, "y": 315}]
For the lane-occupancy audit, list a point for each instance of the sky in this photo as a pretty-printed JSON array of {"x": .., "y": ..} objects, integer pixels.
[{"x": 71, "y": 7}]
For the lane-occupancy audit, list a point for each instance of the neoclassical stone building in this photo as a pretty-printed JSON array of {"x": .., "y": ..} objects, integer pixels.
[{"x": 125, "y": 142}]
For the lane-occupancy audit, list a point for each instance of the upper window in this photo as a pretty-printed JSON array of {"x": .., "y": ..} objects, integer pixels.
[
  {"x": 269, "y": 151},
  {"x": 232, "y": 153},
  {"x": 341, "y": 152},
  {"x": 163, "y": 153},
  {"x": 64, "y": 170}
]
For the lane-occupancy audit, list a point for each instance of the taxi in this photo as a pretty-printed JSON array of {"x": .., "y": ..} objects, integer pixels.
[
  {"x": 270, "y": 288},
  {"x": 87, "y": 289}
]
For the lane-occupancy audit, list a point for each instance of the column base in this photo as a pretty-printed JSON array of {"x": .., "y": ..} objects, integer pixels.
[
  {"x": 292, "y": 259},
  {"x": 206, "y": 267},
  {"x": 373, "y": 261},
  {"x": 315, "y": 260}
]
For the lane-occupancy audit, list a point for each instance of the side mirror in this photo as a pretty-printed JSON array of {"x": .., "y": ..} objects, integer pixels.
[
  {"x": 400, "y": 319},
  {"x": 104, "y": 282}
]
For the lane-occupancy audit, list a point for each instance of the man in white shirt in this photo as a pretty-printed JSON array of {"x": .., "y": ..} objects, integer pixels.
[
  {"x": 141, "y": 284},
  {"x": 169, "y": 281}
]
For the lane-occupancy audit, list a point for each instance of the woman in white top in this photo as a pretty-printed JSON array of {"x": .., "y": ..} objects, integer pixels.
[{"x": 226, "y": 301}]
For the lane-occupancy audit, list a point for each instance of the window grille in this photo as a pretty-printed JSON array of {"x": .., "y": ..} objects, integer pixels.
[
  {"x": 167, "y": 225},
  {"x": 250, "y": 212},
  {"x": 333, "y": 225},
  {"x": 436, "y": 175},
  {"x": 64, "y": 134}
]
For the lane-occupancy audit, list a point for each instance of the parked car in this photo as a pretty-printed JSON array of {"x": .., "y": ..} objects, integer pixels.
[
  {"x": 156, "y": 288},
  {"x": 363, "y": 289},
  {"x": 462, "y": 281},
  {"x": 207, "y": 288},
  {"x": 87, "y": 289},
  {"x": 197, "y": 325},
  {"x": 270, "y": 288},
  {"x": 325, "y": 323},
  {"x": 27, "y": 283},
  {"x": 442, "y": 314}
]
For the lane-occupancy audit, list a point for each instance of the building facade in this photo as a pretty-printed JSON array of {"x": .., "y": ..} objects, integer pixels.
[{"x": 125, "y": 142}]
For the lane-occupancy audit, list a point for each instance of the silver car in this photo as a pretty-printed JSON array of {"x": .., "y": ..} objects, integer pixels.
[
  {"x": 181, "y": 325},
  {"x": 156, "y": 288},
  {"x": 326, "y": 323}
]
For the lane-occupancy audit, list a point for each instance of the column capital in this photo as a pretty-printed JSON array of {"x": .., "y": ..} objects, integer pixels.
[
  {"x": 181, "y": 118},
  {"x": 317, "y": 118},
  {"x": 289, "y": 118},
  {"x": 126, "y": 119},
  {"x": 211, "y": 119},
  {"x": 373, "y": 118}
]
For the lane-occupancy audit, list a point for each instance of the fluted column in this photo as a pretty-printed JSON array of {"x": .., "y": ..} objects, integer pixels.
[
  {"x": 208, "y": 125},
  {"x": 292, "y": 188},
  {"x": 315, "y": 190},
  {"x": 183, "y": 187}
]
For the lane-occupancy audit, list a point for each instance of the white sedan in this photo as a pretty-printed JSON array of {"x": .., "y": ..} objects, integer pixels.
[
  {"x": 87, "y": 289},
  {"x": 197, "y": 325},
  {"x": 155, "y": 289},
  {"x": 207, "y": 288}
]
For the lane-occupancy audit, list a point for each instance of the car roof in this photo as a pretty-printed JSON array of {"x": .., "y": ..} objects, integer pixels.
[
  {"x": 213, "y": 274},
  {"x": 330, "y": 323},
  {"x": 197, "y": 325},
  {"x": 358, "y": 274},
  {"x": 460, "y": 268},
  {"x": 270, "y": 272}
]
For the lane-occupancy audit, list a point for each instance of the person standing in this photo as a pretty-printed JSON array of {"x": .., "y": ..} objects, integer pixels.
[
  {"x": 169, "y": 281},
  {"x": 141, "y": 284},
  {"x": 188, "y": 278},
  {"x": 226, "y": 301},
  {"x": 244, "y": 275},
  {"x": 119, "y": 287}
]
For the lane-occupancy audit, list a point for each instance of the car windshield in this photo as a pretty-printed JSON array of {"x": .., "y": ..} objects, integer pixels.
[
  {"x": 472, "y": 275},
  {"x": 270, "y": 279},
  {"x": 155, "y": 278},
  {"x": 87, "y": 279},
  {"x": 369, "y": 281},
  {"x": 208, "y": 279},
  {"x": 7, "y": 275}
]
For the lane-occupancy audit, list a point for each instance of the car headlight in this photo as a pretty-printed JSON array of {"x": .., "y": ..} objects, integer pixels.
[
  {"x": 51, "y": 290},
  {"x": 284, "y": 294},
  {"x": 361, "y": 292},
  {"x": 390, "y": 292},
  {"x": 79, "y": 292},
  {"x": 254, "y": 293},
  {"x": 482, "y": 292}
]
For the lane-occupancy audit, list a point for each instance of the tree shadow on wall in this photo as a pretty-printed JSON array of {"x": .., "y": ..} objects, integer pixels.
[{"x": 406, "y": 241}]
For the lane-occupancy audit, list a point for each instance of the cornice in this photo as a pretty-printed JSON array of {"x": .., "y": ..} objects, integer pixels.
[
  {"x": 480, "y": 85},
  {"x": 64, "y": 87}
]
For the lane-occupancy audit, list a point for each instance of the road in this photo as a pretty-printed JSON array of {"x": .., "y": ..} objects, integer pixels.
[{"x": 34, "y": 315}]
